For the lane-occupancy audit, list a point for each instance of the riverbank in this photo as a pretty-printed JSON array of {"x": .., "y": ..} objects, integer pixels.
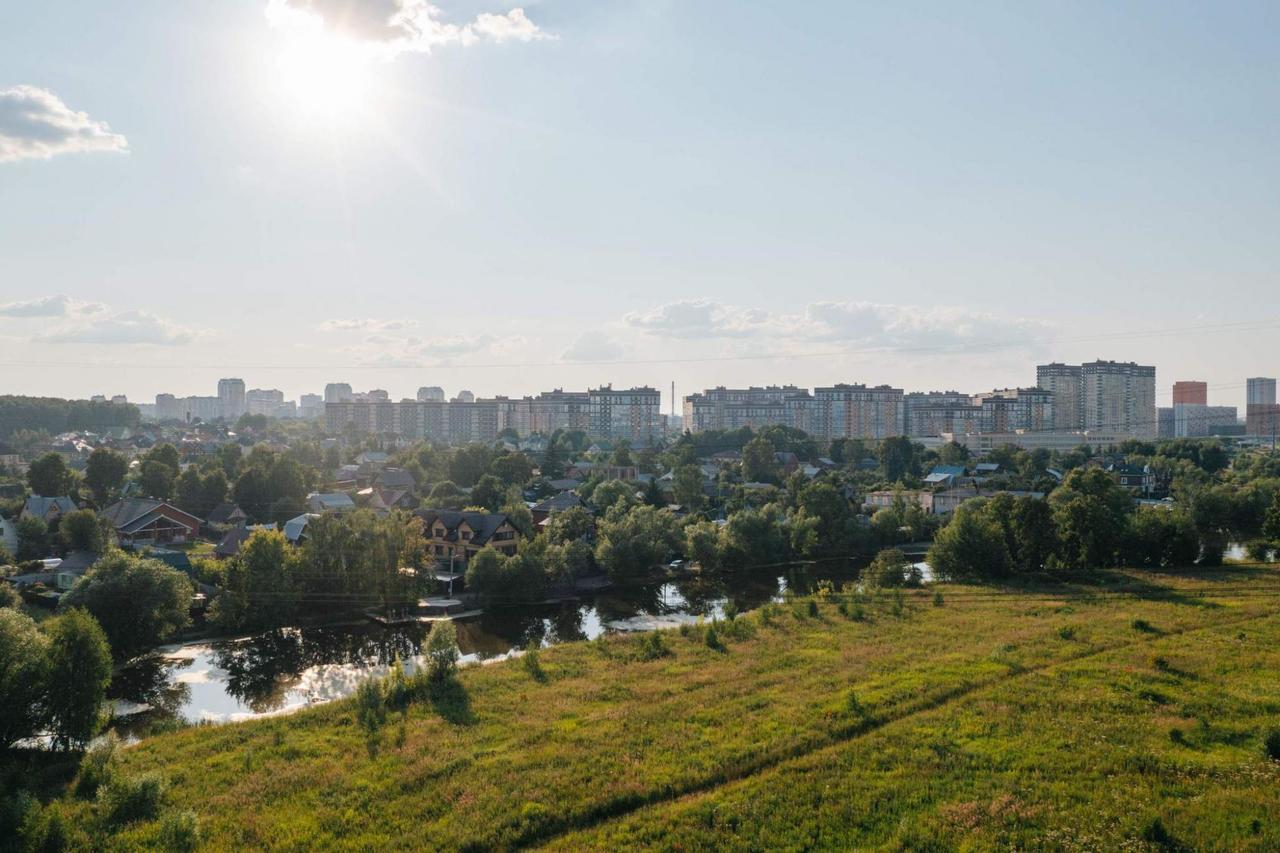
[{"x": 1047, "y": 714}]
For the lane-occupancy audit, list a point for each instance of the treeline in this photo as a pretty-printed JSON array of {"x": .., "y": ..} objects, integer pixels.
[{"x": 54, "y": 415}]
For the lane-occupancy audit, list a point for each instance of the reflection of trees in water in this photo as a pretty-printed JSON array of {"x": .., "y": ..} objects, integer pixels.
[
  {"x": 261, "y": 669},
  {"x": 149, "y": 680}
]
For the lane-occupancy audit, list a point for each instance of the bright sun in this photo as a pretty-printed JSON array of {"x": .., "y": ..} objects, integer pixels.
[{"x": 323, "y": 75}]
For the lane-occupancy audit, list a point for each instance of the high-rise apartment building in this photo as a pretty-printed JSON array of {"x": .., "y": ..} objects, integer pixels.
[
  {"x": 1014, "y": 409},
  {"x": 560, "y": 409},
  {"x": 1119, "y": 397},
  {"x": 1191, "y": 392},
  {"x": 1102, "y": 396},
  {"x": 935, "y": 412},
  {"x": 1262, "y": 415},
  {"x": 1063, "y": 382},
  {"x": 431, "y": 394},
  {"x": 857, "y": 411},
  {"x": 755, "y": 407},
  {"x": 311, "y": 406},
  {"x": 232, "y": 394},
  {"x": 633, "y": 414},
  {"x": 264, "y": 401},
  {"x": 338, "y": 392}
]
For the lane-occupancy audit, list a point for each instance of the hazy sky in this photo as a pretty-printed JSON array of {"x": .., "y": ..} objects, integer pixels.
[{"x": 587, "y": 191}]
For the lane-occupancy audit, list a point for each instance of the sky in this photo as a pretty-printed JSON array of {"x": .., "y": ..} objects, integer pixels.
[{"x": 568, "y": 193}]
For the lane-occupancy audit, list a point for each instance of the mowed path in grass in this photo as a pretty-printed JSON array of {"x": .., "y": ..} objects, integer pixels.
[{"x": 1002, "y": 716}]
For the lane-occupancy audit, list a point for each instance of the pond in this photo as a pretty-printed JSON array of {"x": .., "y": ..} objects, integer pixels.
[{"x": 282, "y": 671}]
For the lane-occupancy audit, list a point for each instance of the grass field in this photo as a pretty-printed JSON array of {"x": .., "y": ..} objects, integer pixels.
[{"x": 1126, "y": 714}]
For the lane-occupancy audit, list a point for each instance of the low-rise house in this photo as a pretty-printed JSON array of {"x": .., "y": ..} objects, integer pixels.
[
  {"x": 788, "y": 463},
  {"x": 886, "y": 497},
  {"x": 395, "y": 479},
  {"x": 372, "y": 459},
  {"x": 949, "y": 500},
  {"x": 139, "y": 521},
  {"x": 8, "y": 535},
  {"x": 556, "y": 503},
  {"x": 944, "y": 475},
  {"x": 295, "y": 529},
  {"x": 459, "y": 536},
  {"x": 47, "y": 510},
  {"x": 226, "y": 515},
  {"x": 330, "y": 502},
  {"x": 1140, "y": 480},
  {"x": 235, "y": 539}
]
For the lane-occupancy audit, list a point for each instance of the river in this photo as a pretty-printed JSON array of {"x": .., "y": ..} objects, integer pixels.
[{"x": 282, "y": 671}]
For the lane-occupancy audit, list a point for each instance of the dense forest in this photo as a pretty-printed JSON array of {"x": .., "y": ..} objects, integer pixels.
[{"x": 54, "y": 415}]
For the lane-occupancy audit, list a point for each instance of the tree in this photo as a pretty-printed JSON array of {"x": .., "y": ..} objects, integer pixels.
[
  {"x": 105, "y": 471},
  {"x": 687, "y": 488},
  {"x": 1160, "y": 537},
  {"x": 891, "y": 568},
  {"x": 1036, "y": 536},
  {"x": 469, "y": 464},
  {"x": 49, "y": 476},
  {"x": 139, "y": 602},
  {"x": 1091, "y": 513},
  {"x": 513, "y": 469},
  {"x": 518, "y": 513},
  {"x": 445, "y": 495},
  {"x": 156, "y": 479},
  {"x": 489, "y": 492},
  {"x": 484, "y": 574},
  {"x": 953, "y": 454},
  {"x": 553, "y": 461},
  {"x": 631, "y": 542},
  {"x": 898, "y": 458},
  {"x": 754, "y": 537},
  {"x": 33, "y": 538},
  {"x": 572, "y": 525},
  {"x": 441, "y": 651},
  {"x": 759, "y": 465},
  {"x": 1271, "y": 526},
  {"x": 613, "y": 493},
  {"x": 83, "y": 530},
  {"x": 24, "y": 672},
  {"x": 260, "y": 591},
  {"x": 828, "y": 521},
  {"x": 79, "y": 671},
  {"x": 702, "y": 544},
  {"x": 167, "y": 455},
  {"x": 972, "y": 546}
]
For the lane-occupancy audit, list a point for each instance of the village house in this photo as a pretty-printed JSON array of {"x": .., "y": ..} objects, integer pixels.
[
  {"x": 453, "y": 535},
  {"x": 146, "y": 521},
  {"x": 47, "y": 510}
]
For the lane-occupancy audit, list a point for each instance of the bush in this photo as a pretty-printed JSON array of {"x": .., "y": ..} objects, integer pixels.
[
  {"x": 371, "y": 704},
  {"x": 441, "y": 651},
  {"x": 813, "y": 609},
  {"x": 180, "y": 832},
  {"x": 712, "y": 638},
  {"x": 937, "y": 598},
  {"x": 127, "y": 799},
  {"x": 891, "y": 568},
  {"x": 398, "y": 688},
  {"x": 96, "y": 766},
  {"x": 1143, "y": 625},
  {"x": 1272, "y": 744},
  {"x": 652, "y": 646},
  {"x": 532, "y": 663}
]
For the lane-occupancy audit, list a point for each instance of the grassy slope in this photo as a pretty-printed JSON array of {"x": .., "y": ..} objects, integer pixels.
[{"x": 980, "y": 721}]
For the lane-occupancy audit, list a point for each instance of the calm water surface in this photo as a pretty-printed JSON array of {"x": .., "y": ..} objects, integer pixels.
[{"x": 281, "y": 671}]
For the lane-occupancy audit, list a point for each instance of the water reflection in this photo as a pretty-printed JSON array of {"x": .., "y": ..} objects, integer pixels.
[{"x": 279, "y": 671}]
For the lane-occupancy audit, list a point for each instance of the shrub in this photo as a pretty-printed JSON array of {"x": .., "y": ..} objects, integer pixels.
[
  {"x": 371, "y": 704},
  {"x": 441, "y": 651},
  {"x": 96, "y": 766},
  {"x": 853, "y": 705},
  {"x": 730, "y": 610},
  {"x": 713, "y": 640},
  {"x": 1272, "y": 744},
  {"x": 532, "y": 663},
  {"x": 398, "y": 689},
  {"x": 1066, "y": 632},
  {"x": 652, "y": 646},
  {"x": 1143, "y": 625},
  {"x": 180, "y": 832},
  {"x": 813, "y": 608},
  {"x": 1160, "y": 663},
  {"x": 937, "y": 598},
  {"x": 131, "y": 798}
]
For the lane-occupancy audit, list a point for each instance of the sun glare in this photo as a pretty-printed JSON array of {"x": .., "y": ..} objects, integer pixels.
[{"x": 323, "y": 75}]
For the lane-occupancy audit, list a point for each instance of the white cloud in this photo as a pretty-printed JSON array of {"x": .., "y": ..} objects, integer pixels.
[
  {"x": 867, "y": 324},
  {"x": 391, "y": 27},
  {"x": 594, "y": 346},
  {"x": 36, "y": 124},
  {"x": 59, "y": 305},
  {"x": 119, "y": 327},
  {"x": 357, "y": 325},
  {"x": 460, "y": 345}
]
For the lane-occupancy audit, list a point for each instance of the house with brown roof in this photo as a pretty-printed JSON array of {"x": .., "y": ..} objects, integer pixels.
[
  {"x": 461, "y": 535},
  {"x": 146, "y": 521}
]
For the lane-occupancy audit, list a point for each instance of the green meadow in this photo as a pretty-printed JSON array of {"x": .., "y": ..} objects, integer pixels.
[{"x": 1129, "y": 713}]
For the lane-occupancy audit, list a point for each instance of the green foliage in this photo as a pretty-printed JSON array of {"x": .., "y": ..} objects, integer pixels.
[
  {"x": 179, "y": 831},
  {"x": 140, "y": 603},
  {"x": 371, "y": 704},
  {"x": 127, "y": 799},
  {"x": 712, "y": 639},
  {"x": 687, "y": 489},
  {"x": 1091, "y": 513},
  {"x": 50, "y": 477},
  {"x": 702, "y": 544},
  {"x": 55, "y": 416},
  {"x": 441, "y": 651},
  {"x": 613, "y": 493},
  {"x": 652, "y": 646},
  {"x": 971, "y": 546},
  {"x": 97, "y": 766},
  {"x": 1271, "y": 744},
  {"x": 24, "y": 651},
  {"x": 531, "y": 661},
  {"x": 104, "y": 472},
  {"x": 271, "y": 487},
  {"x": 890, "y": 568},
  {"x": 83, "y": 530},
  {"x": 1160, "y": 537},
  {"x": 754, "y": 537},
  {"x": 199, "y": 493},
  {"x": 79, "y": 670},
  {"x": 759, "y": 464},
  {"x": 632, "y": 542},
  {"x": 33, "y": 538},
  {"x": 899, "y": 458},
  {"x": 261, "y": 584}
]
